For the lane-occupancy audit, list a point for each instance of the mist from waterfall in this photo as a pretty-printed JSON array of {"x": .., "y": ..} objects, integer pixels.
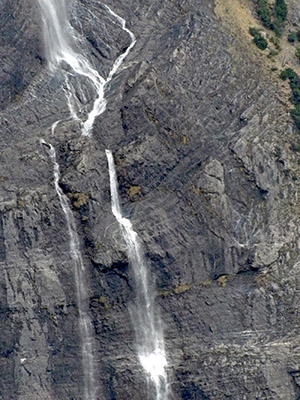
[
  {"x": 61, "y": 45},
  {"x": 145, "y": 316},
  {"x": 85, "y": 324}
]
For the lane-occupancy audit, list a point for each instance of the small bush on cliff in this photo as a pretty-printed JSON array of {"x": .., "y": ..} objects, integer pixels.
[
  {"x": 277, "y": 26},
  {"x": 292, "y": 37},
  {"x": 294, "y": 80},
  {"x": 281, "y": 10},
  {"x": 280, "y": 16},
  {"x": 296, "y": 115},
  {"x": 264, "y": 13},
  {"x": 276, "y": 43},
  {"x": 258, "y": 39},
  {"x": 273, "y": 53},
  {"x": 288, "y": 73},
  {"x": 272, "y": 16}
]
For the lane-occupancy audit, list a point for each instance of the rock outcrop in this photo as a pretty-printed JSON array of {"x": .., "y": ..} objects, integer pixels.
[{"x": 208, "y": 164}]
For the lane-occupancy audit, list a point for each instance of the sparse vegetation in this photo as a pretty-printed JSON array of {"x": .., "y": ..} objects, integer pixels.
[
  {"x": 272, "y": 16},
  {"x": 292, "y": 37},
  {"x": 258, "y": 38},
  {"x": 295, "y": 147},
  {"x": 164, "y": 293},
  {"x": 281, "y": 10},
  {"x": 206, "y": 282},
  {"x": 264, "y": 12},
  {"x": 176, "y": 290},
  {"x": 280, "y": 16},
  {"x": 296, "y": 115},
  {"x": 294, "y": 80},
  {"x": 276, "y": 42},
  {"x": 297, "y": 53},
  {"x": 78, "y": 199},
  {"x": 260, "y": 42},
  {"x": 222, "y": 281},
  {"x": 273, "y": 53},
  {"x": 103, "y": 301},
  {"x": 277, "y": 27},
  {"x": 134, "y": 190},
  {"x": 182, "y": 288}
]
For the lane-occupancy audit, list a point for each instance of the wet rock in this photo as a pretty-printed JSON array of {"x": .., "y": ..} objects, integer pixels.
[{"x": 202, "y": 143}]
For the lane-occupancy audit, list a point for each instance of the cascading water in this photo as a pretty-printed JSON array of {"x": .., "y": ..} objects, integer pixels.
[
  {"x": 61, "y": 41},
  {"x": 100, "y": 103},
  {"x": 62, "y": 44},
  {"x": 145, "y": 318},
  {"x": 85, "y": 325}
]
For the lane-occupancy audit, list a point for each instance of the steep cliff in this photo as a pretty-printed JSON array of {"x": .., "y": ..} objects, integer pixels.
[{"x": 207, "y": 158}]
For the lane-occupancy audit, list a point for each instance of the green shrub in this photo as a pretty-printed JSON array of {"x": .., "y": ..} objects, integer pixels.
[
  {"x": 280, "y": 13},
  {"x": 288, "y": 73},
  {"x": 272, "y": 17},
  {"x": 295, "y": 147},
  {"x": 254, "y": 31},
  {"x": 277, "y": 26},
  {"x": 260, "y": 42},
  {"x": 294, "y": 79},
  {"x": 273, "y": 53},
  {"x": 296, "y": 93},
  {"x": 292, "y": 37},
  {"x": 263, "y": 12},
  {"x": 276, "y": 43},
  {"x": 297, "y": 52},
  {"x": 296, "y": 115},
  {"x": 258, "y": 39},
  {"x": 298, "y": 35},
  {"x": 280, "y": 10}
]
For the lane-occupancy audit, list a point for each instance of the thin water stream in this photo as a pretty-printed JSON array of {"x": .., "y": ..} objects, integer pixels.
[
  {"x": 145, "y": 316},
  {"x": 64, "y": 49},
  {"x": 85, "y": 324}
]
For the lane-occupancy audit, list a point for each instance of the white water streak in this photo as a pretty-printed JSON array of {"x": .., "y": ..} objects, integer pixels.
[
  {"x": 85, "y": 325},
  {"x": 145, "y": 317},
  {"x": 61, "y": 40}
]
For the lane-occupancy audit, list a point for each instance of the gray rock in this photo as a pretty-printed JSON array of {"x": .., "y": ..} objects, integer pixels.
[{"x": 196, "y": 124}]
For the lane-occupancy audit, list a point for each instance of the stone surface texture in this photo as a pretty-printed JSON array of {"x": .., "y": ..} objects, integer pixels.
[{"x": 208, "y": 164}]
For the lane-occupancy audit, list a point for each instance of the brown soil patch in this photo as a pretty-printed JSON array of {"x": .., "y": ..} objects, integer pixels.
[{"x": 238, "y": 16}]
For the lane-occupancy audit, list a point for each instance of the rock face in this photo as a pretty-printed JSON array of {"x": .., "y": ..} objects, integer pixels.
[{"x": 208, "y": 165}]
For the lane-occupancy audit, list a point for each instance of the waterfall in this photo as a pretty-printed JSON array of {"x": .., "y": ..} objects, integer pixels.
[
  {"x": 145, "y": 317},
  {"x": 62, "y": 44},
  {"x": 100, "y": 103},
  {"x": 85, "y": 325},
  {"x": 61, "y": 41}
]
